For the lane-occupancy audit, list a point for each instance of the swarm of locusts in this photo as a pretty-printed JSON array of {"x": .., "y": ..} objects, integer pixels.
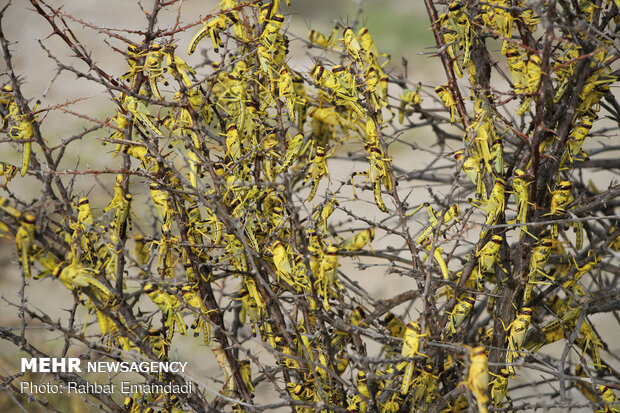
[{"x": 509, "y": 246}]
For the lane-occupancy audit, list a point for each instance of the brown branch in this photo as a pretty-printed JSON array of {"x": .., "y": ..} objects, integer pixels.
[{"x": 447, "y": 64}]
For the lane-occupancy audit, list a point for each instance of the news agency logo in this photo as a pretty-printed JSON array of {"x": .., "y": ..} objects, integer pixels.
[{"x": 73, "y": 365}]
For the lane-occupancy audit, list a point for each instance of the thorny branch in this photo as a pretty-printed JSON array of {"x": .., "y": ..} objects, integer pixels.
[{"x": 262, "y": 203}]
